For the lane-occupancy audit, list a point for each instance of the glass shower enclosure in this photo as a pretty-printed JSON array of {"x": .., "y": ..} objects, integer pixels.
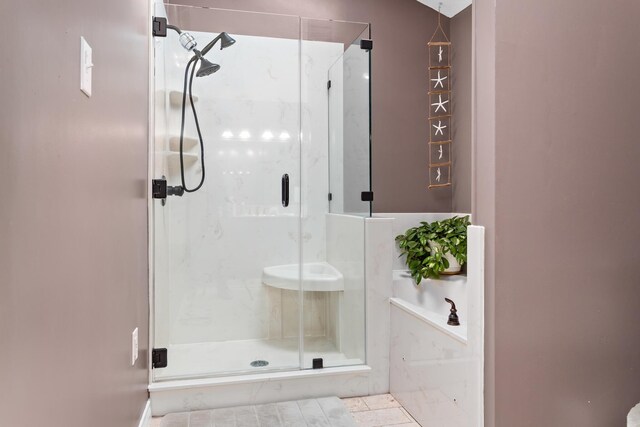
[{"x": 244, "y": 279}]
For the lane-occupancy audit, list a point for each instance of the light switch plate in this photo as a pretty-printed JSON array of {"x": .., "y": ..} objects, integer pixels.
[
  {"x": 134, "y": 346},
  {"x": 86, "y": 64}
]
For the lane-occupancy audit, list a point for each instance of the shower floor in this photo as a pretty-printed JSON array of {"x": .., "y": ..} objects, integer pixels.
[{"x": 219, "y": 358}]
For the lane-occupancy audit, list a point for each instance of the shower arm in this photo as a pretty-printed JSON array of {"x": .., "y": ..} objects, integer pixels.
[
  {"x": 174, "y": 28},
  {"x": 199, "y": 54},
  {"x": 207, "y": 48},
  {"x": 212, "y": 43}
]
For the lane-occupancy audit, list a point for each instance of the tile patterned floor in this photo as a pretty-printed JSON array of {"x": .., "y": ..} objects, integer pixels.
[
  {"x": 368, "y": 411},
  {"x": 321, "y": 412},
  {"x": 379, "y": 411}
]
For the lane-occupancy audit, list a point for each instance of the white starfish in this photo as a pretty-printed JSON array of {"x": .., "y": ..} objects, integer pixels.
[
  {"x": 440, "y": 153},
  {"x": 439, "y": 174},
  {"x": 440, "y": 54},
  {"x": 440, "y": 104},
  {"x": 439, "y": 128},
  {"x": 439, "y": 81}
]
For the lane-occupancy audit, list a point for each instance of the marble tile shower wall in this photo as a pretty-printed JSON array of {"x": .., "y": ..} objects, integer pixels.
[{"x": 215, "y": 242}]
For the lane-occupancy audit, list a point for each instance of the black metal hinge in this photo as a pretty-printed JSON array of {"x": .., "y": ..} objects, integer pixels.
[
  {"x": 367, "y": 196},
  {"x": 329, "y": 85},
  {"x": 159, "y": 188},
  {"x": 366, "y": 44},
  {"x": 330, "y": 197},
  {"x": 159, "y": 358},
  {"x": 159, "y": 27}
]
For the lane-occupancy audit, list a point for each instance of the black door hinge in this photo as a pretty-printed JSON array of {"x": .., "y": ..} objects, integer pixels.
[
  {"x": 330, "y": 197},
  {"x": 329, "y": 85},
  {"x": 159, "y": 27},
  {"x": 159, "y": 188},
  {"x": 366, "y": 44},
  {"x": 367, "y": 196},
  {"x": 159, "y": 358},
  {"x": 318, "y": 363}
]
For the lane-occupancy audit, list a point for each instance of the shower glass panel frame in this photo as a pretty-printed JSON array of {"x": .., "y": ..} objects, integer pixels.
[
  {"x": 350, "y": 130},
  {"x": 328, "y": 42},
  {"x": 237, "y": 276}
]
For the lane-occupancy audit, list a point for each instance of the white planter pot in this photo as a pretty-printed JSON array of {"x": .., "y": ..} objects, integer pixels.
[{"x": 454, "y": 265}]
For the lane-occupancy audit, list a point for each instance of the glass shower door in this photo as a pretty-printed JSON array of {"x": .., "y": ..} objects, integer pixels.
[
  {"x": 335, "y": 102},
  {"x": 262, "y": 269},
  {"x": 226, "y": 257}
]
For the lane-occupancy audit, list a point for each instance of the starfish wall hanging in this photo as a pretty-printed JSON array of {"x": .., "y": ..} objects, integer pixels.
[
  {"x": 439, "y": 81},
  {"x": 440, "y": 110}
]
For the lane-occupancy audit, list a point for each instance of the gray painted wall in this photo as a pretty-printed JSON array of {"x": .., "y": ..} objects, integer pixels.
[
  {"x": 73, "y": 232},
  {"x": 461, "y": 38},
  {"x": 400, "y": 30},
  {"x": 561, "y": 210},
  {"x": 483, "y": 184}
]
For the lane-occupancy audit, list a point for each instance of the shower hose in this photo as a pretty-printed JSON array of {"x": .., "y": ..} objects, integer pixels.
[{"x": 188, "y": 79}]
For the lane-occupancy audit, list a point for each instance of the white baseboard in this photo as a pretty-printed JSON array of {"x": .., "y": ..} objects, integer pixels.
[{"x": 145, "y": 418}]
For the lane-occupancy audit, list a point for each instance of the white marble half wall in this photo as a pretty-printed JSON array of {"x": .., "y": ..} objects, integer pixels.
[
  {"x": 362, "y": 249},
  {"x": 379, "y": 256},
  {"x": 346, "y": 252},
  {"x": 437, "y": 377}
]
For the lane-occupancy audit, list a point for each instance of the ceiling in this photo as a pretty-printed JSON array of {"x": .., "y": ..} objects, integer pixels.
[{"x": 450, "y": 8}]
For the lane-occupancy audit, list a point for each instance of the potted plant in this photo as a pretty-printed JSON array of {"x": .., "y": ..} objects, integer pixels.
[{"x": 435, "y": 248}]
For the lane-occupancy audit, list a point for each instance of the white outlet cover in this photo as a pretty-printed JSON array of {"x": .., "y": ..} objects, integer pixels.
[
  {"x": 86, "y": 64},
  {"x": 134, "y": 346}
]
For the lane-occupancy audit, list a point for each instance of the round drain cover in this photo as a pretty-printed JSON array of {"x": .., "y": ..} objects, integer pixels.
[{"x": 259, "y": 363}]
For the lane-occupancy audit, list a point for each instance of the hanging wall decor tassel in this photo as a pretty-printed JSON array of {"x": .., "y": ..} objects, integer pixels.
[{"x": 440, "y": 109}]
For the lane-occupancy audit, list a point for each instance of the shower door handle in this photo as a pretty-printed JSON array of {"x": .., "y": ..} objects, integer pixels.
[{"x": 285, "y": 190}]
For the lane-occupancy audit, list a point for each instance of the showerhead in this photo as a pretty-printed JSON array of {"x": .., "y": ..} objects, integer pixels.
[
  {"x": 225, "y": 41},
  {"x": 206, "y": 68}
]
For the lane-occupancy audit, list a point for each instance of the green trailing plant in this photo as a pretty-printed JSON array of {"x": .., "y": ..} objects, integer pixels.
[{"x": 424, "y": 260}]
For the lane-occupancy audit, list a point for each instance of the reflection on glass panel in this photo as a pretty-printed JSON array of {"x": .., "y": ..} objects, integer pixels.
[{"x": 349, "y": 130}]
